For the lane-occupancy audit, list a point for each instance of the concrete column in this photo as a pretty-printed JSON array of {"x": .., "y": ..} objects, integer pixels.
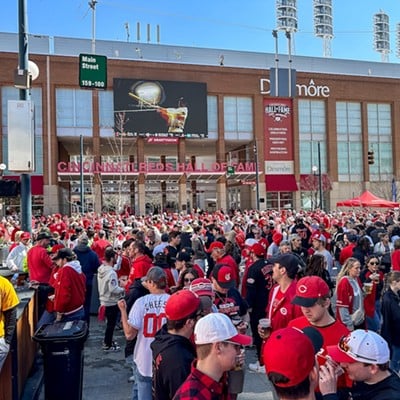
[
  {"x": 141, "y": 195},
  {"x": 50, "y": 206},
  {"x": 221, "y": 193},
  {"x": 163, "y": 187},
  {"x": 182, "y": 193},
  {"x": 193, "y": 187}
]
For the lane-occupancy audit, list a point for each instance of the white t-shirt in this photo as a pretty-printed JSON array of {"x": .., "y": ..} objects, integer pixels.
[{"x": 147, "y": 315}]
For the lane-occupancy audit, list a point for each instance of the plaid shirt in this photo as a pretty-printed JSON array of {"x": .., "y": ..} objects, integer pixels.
[{"x": 201, "y": 387}]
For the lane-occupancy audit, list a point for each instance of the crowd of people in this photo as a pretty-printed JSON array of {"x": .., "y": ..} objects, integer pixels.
[{"x": 316, "y": 294}]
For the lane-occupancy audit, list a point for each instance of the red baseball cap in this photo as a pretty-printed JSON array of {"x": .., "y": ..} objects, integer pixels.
[
  {"x": 202, "y": 287},
  {"x": 309, "y": 289},
  {"x": 181, "y": 304},
  {"x": 291, "y": 353},
  {"x": 25, "y": 235},
  {"x": 318, "y": 236},
  {"x": 215, "y": 245},
  {"x": 223, "y": 275},
  {"x": 257, "y": 249}
]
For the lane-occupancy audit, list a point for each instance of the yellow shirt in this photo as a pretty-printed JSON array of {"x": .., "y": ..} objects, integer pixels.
[{"x": 8, "y": 300}]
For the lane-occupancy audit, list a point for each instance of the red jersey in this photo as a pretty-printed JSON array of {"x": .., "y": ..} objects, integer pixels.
[
  {"x": 280, "y": 309},
  {"x": 331, "y": 334}
]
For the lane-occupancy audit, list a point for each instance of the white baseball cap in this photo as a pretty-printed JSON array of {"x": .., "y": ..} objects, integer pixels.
[
  {"x": 218, "y": 327},
  {"x": 363, "y": 346}
]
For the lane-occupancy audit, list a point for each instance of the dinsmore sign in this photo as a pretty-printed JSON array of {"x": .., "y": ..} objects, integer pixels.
[{"x": 303, "y": 90}]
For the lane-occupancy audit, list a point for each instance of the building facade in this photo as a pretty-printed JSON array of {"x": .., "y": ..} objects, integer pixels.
[{"x": 233, "y": 144}]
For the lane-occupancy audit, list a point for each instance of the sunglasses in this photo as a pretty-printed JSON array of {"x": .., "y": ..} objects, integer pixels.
[
  {"x": 188, "y": 280},
  {"x": 235, "y": 345},
  {"x": 374, "y": 262}
]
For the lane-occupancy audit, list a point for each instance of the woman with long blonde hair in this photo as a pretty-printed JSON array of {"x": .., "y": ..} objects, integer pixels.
[{"x": 350, "y": 296}]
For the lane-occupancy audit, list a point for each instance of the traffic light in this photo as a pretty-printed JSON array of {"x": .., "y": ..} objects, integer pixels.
[{"x": 371, "y": 157}]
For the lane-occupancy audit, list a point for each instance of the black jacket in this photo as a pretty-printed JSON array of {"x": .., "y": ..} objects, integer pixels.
[
  {"x": 390, "y": 308},
  {"x": 258, "y": 284},
  {"x": 172, "y": 359},
  {"x": 89, "y": 261},
  {"x": 388, "y": 389}
]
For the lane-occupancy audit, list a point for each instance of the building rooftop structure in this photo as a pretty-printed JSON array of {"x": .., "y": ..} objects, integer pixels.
[{"x": 62, "y": 46}]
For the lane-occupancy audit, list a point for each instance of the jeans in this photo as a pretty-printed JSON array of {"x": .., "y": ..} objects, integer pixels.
[
  {"x": 111, "y": 316},
  {"x": 134, "y": 385},
  {"x": 144, "y": 386},
  {"x": 373, "y": 323},
  {"x": 49, "y": 318},
  {"x": 395, "y": 359}
]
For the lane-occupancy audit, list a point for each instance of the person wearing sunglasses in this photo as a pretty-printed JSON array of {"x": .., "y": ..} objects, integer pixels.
[
  {"x": 365, "y": 356},
  {"x": 218, "y": 347},
  {"x": 372, "y": 304},
  {"x": 173, "y": 351}
]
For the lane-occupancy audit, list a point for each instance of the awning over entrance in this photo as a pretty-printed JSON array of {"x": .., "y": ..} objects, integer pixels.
[{"x": 281, "y": 183}]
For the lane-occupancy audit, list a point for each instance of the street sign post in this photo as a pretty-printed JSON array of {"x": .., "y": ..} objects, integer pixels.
[
  {"x": 230, "y": 170},
  {"x": 92, "y": 71}
]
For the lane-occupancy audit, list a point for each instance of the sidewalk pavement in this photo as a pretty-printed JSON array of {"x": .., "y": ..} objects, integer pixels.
[{"x": 105, "y": 375}]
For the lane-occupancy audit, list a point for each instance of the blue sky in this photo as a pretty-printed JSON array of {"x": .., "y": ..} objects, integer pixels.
[{"x": 225, "y": 24}]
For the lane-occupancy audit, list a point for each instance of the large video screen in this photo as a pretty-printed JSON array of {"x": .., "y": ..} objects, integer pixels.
[{"x": 160, "y": 108}]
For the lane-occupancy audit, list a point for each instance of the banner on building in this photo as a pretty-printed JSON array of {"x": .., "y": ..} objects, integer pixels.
[
  {"x": 160, "y": 108},
  {"x": 278, "y": 144}
]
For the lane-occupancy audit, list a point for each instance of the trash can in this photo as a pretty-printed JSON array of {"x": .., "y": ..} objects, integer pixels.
[{"x": 62, "y": 348}]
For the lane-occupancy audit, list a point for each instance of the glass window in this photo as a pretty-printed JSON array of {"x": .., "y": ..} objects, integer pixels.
[
  {"x": 279, "y": 200},
  {"x": 212, "y": 117},
  {"x": 349, "y": 141},
  {"x": 106, "y": 109},
  {"x": 312, "y": 130},
  {"x": 74, "y": 108},
  {"x": 380, "y": 141},
  {"x": 238, "y": 118}
]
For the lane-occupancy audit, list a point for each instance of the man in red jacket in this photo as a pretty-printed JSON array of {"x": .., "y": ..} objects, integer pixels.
[
  {"x": 40, "y": 268},
  {"x": 69, "y": 284}
]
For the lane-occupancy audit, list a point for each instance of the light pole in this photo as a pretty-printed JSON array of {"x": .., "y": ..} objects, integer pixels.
[
  {"x": 24, "y": 94},
  {"x": 257, "y": 181},
  {"x": 321, "y": 204},
  {"x": 314, "y": 170}
]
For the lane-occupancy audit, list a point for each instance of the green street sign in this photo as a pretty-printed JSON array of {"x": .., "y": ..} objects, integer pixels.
[
  {"x": 230, "y": 171},
  {"x": 92, "y": 71}
]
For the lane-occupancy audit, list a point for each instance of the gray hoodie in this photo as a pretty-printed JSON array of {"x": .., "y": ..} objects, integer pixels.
[{"x": 109, "y": 290}]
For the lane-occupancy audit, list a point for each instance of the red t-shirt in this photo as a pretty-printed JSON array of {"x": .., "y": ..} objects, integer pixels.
[{"x": 331, "y": 334}]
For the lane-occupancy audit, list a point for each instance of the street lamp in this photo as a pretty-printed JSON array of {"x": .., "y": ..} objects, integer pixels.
[{"x": 314, "y": 170}]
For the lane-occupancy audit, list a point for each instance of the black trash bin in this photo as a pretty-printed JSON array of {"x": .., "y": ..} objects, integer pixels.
[{"x": 62, "y": 348}]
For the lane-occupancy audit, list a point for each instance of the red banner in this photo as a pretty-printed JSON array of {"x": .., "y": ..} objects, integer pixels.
[{"x": 278, "y": 129}]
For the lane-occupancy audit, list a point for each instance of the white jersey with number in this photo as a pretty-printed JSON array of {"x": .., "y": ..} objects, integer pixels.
[{"x": 147, "y": 315}]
